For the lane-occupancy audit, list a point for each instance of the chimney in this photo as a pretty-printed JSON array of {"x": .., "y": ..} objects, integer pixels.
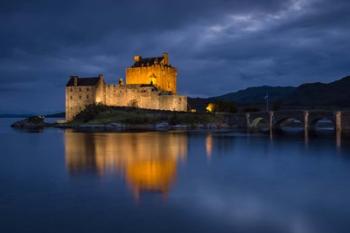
[
  {"x": 75, "y": 80},
  {"x": 101, "y": 76},
  {"x": 165, "y": 58},
  {"x": 137, "y": 58}
]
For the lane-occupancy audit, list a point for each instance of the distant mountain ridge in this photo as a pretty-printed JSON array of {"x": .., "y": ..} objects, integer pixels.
[
  {"x": 256, "y": 94},
  {"x": 318, "y": 94},
  {"x": 336, "y": 93}
]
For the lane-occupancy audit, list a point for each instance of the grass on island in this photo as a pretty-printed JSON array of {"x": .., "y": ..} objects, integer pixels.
[{"x": 101, "y": 114}]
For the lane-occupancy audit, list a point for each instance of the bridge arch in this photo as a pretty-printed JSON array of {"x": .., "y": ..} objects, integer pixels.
[
  {"x": 313, "y": 122},
  {"x": 280, "y": 122},
  {"x": 257, "y": 121}
]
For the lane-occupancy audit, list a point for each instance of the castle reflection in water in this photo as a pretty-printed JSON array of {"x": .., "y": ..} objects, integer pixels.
[{"x": 148, "y": 161}]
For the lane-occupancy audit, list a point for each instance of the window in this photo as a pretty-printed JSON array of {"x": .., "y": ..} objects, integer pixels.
[
  {"x": 80, "y": 97},
  {"x": 87, "y": 96},
  {"x": 71, "y": 97},
  {"x": 79, "y": 89}
]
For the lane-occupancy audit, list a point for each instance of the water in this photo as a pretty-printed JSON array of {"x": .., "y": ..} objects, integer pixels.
[{"x": 62, "y": 181}]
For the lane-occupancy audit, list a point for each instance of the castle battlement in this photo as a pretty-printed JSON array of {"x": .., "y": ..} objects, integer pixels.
[{"x": 150, "y": 84}]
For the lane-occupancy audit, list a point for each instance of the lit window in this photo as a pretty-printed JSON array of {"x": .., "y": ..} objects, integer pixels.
[{"x": 210, "y": 107}]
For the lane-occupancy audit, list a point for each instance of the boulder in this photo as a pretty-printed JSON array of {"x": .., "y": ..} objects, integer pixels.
[{"x": 34, "y": 122}]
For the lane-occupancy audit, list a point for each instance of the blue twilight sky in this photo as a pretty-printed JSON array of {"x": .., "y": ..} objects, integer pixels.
[{"x": 218, "y": 46}]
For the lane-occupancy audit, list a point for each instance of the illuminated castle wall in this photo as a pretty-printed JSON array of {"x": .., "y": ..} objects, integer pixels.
[{"x": 150, "y": 84}]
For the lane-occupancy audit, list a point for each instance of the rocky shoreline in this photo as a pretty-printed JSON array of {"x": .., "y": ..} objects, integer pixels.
[
  {"x": 38, "y": 123},
  {"x": 163, "y": 126}
]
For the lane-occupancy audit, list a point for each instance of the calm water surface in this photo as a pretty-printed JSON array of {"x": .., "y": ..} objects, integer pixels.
[{"x": 63, "y": 181}]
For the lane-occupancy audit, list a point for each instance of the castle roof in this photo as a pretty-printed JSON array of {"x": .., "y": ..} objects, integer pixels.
[
  {"x": 90, "y": 81},
  {"x": 147, "y": 61}
]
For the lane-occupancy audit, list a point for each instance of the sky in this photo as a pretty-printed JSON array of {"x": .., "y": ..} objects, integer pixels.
[{"x": 218, "y": 46}]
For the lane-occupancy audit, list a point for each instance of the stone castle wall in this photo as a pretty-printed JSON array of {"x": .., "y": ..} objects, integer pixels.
[
  {"x": 147, "y": 97},
  {"x": 77, "y": 98},
  {"x": 161, "y": 76}
]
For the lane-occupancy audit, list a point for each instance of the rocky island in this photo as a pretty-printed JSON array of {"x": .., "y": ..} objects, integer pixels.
[{"x": 107, "y": 118}]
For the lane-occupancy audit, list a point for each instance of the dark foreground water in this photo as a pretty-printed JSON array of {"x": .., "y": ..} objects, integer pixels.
[{"x": 61, "y": 181}]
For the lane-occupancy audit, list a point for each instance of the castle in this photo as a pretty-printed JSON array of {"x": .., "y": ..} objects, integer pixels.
[{"x": 150, "y": 83}]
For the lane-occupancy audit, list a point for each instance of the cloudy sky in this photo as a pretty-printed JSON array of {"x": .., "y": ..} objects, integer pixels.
[{"x": 218, "y": 46}]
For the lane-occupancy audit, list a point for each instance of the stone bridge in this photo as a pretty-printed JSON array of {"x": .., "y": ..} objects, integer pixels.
[{"x": 273, "y": 120}]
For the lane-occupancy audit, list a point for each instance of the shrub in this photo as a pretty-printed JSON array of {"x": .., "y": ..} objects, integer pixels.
[{"x": 90, "y": 112}]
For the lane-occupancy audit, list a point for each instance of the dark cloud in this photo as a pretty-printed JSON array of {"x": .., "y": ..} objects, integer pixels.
[{"x": 218, "y": 46}]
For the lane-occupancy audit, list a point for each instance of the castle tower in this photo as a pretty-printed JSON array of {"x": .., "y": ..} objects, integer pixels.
[{"x": 155, "y": 71}]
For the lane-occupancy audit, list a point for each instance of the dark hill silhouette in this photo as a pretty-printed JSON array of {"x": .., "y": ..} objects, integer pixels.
[
  {"x": 334, "y": 94},
  {"x": 256, "y": 95}
]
